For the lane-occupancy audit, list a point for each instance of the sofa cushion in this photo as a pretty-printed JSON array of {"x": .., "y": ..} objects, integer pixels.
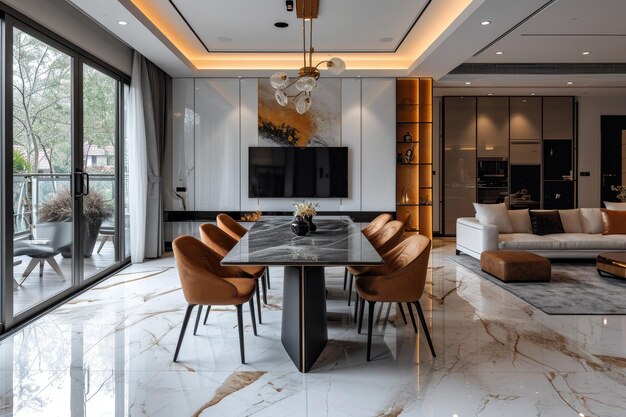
[
  {"x": 495, "y": 214},
  {"x": 527, "y": 241},
  {"x": 614, "y": 222},
  {"x": 585, "y": 241},
  {"x": 572, "y": 221},
  {"x": 546, "y": 222},
  {"x": 614, "y": 206},
  {"x": 520, "y": 221},
  {"x": 592, "y": 220}
]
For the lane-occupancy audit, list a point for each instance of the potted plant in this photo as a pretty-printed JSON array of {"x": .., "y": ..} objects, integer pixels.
[
  {"x": 305, "y": 211},
  {"x": 95, "y": 211}
]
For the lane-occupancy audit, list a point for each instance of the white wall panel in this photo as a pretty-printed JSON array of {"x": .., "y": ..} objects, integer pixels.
[
  {"x": 249, "y": 135},
  {"x": 378, "y": 186},
  {"x": 351, "y": 138},
  {"x": 217, "y": 156},
  {"x": 183, "y": 138}
]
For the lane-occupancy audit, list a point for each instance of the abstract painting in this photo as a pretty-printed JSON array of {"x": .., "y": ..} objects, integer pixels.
[{"x": 284, "y": 126}]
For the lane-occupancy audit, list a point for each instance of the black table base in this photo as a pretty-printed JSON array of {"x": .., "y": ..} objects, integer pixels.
[{"x": 304, "y": 329}]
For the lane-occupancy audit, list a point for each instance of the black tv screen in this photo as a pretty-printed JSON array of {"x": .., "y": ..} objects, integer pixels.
[{"x": 293, "y": 172}]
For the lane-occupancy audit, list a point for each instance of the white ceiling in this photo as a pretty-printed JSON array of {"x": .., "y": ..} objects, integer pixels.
[{"x": 346, "y": 25}]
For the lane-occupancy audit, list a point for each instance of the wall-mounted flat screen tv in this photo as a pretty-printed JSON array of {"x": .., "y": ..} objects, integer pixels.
[{"x": 298, "y": 172}]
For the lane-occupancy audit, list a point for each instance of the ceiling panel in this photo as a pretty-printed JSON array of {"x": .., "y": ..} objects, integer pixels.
[{"x": 343, "y": 25}]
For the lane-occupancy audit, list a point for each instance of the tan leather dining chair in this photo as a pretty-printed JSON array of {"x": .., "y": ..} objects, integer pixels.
[
  {"x": 221, "y": 242},
  {"x": 373, "y": 227},
  {"x": 400, "y": 279},
  {"x": 207, "y": 283},
  {"x": 383, "y": 241},
  {"x": 237, "y": 231}
]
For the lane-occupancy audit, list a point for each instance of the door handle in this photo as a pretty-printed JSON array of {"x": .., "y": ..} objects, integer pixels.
[
  {"x": 86, "y": 184},
  {"x": 79, "y": 186}
]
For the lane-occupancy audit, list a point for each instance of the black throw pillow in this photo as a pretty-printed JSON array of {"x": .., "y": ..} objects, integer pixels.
[{"x": 546, "y": 222}]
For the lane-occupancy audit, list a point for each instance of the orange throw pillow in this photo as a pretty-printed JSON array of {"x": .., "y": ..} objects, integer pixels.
[{"x": 614, "y": 222}]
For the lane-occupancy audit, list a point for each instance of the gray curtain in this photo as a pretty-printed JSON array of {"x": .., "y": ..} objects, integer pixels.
[{"x": 157, "y": 104}]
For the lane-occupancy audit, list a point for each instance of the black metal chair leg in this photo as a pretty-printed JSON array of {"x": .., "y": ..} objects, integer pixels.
[
  {"x": 356, "y": 306},
  {"x": 264, "y": 283},
  {"x": 361, "y": 315},
  {"x": 240, "y": 326},
  {"x": 420, "y": 313},
  {"x": 258, "y": 302},
  {"x": 267, "y": 276},
  {"x": 195, "y": 329},
  {"x": 345, "y": 278},
  {"x": 206, "y": 316},
  {"x": 182, "y": 330},
  {"x": 370, "y": 322},
  {"x": 402, "y": 312},
  {"x": 251, "y": 303},
  {"x": 412, "y": 316},
  {"x": 350, "y": 278}
]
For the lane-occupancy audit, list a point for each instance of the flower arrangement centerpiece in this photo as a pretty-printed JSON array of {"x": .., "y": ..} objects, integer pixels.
[
  {"x": 621, "y": 192},
  {"x": 303, "y": 215}
]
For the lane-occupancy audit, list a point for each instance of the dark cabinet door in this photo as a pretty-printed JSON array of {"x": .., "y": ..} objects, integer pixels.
[{"x": 613, "y": 135}]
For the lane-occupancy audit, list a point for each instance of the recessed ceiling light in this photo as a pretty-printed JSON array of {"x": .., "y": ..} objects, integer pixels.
[
  {"x": 532, "y": 94},
  {"x": 122, "y": 22},
  {"x": 485, "y": 22},
  {"x": 499, "y": 52},
  {"x": 224, "y": 39},
  {"x": 386, "y": 39},
  {"x": 569, "y": 82},
  {"x": 468, "y": 82},
  {"x": 489, "y": 94},
  {"x": 586, "y": 53}
]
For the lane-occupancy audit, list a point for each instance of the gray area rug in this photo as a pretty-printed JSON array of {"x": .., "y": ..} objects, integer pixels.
[{"x": 575, "y": 288}]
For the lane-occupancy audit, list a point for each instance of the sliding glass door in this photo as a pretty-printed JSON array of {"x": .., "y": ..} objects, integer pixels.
[{"x": 63, "y": 198}]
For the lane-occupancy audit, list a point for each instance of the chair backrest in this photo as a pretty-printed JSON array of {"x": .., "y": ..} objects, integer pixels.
[
  {"x": 407, "y": 264},
  {"x": 58, "y": 233},
  {"x": 376, "y": 224},
  {"x": 388, "y": 236},
  {"x": 231, "y": 226},
  {"x": 198, "y": 269},
  {"x": 216, "y": 239}
]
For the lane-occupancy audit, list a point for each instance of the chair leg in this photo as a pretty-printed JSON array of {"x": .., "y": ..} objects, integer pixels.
[
  {"x": 195, "y": 329},
  {"x": 104, "y": 239},
  {"x": 206, "y": 316},
  {"x": 370, "y": 322},
  {"x": 240, "y": 326},
  {"x": 402, "y": 312},
  {"x": 420, "y": 313},
  {"x": 41, "y": 263},
  {"x": 412, "y": 316},
  {"x": 361, "y": 315},
  {"x": 345, "y": 278},
  {"x": 350, "y": 278},
  {"x": 182, "y": 330},
  {"x": 264, "y": 283},
  {"x": 356, "y": 306},
  {"x": 258, "y": 301},
  {"x": 267, "y": 275},
  {"x": 31, "y": 265},
  {"x": 251, "y": 303},
  {"x": 55, "y": 266}
]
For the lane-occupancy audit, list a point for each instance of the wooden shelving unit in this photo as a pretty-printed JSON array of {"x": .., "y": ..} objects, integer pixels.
[{"x": 414, "y": 154}]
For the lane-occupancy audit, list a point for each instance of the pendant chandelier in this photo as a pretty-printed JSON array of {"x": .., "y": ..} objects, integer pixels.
[{"x": 306, "y": 81}]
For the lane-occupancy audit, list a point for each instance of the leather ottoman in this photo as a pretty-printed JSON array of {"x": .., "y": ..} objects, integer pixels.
[{"x": 515, "y": 266}]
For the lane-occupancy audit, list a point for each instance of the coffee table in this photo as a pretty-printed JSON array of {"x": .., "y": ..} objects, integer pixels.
[
  {"x": 612, "y": 264},
  {"x": 337, "y": 242}
]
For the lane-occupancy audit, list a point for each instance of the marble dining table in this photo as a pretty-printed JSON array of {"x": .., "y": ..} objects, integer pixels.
[{"x": 338, "y": 241}]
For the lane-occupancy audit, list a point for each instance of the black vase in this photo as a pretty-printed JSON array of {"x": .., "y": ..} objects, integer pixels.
[
  {"x": 312, "y": 226},
  {"x": 299, "y": 226}
]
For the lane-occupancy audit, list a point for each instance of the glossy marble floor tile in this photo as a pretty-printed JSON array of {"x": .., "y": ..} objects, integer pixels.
[{"x": 108, "y": 352}]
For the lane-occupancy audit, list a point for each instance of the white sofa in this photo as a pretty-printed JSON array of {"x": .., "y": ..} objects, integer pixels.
[{"x": 472, "y": 238}]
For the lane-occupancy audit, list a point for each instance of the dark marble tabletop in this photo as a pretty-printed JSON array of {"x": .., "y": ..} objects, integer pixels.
[{"x": 337, "y": 241}]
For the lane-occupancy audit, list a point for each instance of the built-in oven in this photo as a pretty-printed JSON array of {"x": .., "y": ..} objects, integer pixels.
[{"x": 493, "y": 180}]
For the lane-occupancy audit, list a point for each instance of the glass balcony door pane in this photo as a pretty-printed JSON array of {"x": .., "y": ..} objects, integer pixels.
[
  {"x": 100, "y": 125},
  {"x": 42, "y": 155}
]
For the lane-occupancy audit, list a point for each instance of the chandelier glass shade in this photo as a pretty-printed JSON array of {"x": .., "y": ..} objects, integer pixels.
[{"x": 306, "y": 81}]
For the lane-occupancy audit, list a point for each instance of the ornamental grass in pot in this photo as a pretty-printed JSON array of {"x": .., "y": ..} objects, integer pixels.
[{"x": 95, "y": 210}]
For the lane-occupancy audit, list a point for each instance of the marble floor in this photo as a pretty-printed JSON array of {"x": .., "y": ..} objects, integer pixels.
[{"x": 108, "y": 352}]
